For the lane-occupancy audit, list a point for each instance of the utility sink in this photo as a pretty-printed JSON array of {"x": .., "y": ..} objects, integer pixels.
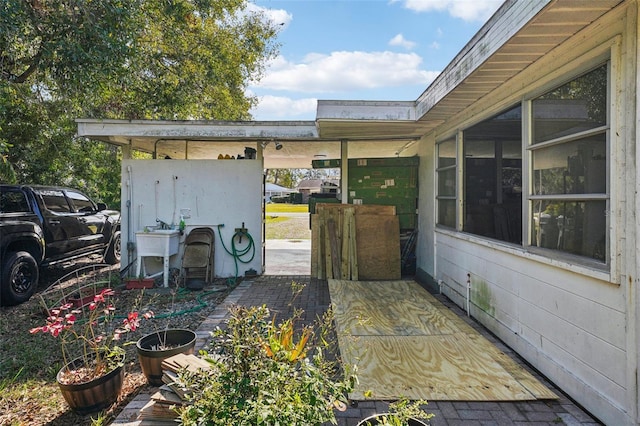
[{"x": 160, "y": 242}]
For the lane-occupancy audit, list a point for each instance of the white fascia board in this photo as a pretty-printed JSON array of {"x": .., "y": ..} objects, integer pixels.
[
  {"x": 197, "y": 129},
  {"x": 510, "y": 18},
  {"x": 366, "y": 110}
]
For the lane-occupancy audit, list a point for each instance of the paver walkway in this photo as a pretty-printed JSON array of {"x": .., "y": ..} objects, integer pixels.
[{"x": 274, "y": 291}]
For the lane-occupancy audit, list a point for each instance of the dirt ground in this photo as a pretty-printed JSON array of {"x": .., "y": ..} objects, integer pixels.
[{"x": 28, "y": 392}]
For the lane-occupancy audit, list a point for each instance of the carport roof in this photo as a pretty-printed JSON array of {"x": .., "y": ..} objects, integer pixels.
[{"x": 517, "y": 35}]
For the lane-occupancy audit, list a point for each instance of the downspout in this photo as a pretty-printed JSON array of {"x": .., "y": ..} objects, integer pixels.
[{"x": 130, "y": 243}]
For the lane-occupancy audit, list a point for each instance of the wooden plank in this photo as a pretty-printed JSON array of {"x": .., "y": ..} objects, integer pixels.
[
  {"x": 334, "y": 245},
  {"x": 314, "y": 245},
  {"x": 378, "y": 247},
  {"x": 370, "y": 209},
  {"x": 345, "y": 264},
  {"x": 328, "y": 268},
  {"x": 353, "y": 250}
]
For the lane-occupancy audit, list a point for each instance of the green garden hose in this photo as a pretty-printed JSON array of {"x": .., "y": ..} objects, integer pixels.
[{"x": 238, "y": 255}]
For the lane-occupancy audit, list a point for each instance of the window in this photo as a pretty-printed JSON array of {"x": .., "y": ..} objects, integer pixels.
[
  {"x": 567, "y": 157},
  {"x": 446, "y": 171},
  {"x": 80, "y": 202},
  {"x": 55, "y": 201},
  {"x": 493, "y": 177},
  {"x": 569, "y": 167},
  {"x": 13, "y": 202}
]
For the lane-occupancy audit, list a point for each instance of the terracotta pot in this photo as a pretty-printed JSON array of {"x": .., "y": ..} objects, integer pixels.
[
  {"x": 178, "y": 340},
  {"x": 134, "y": 283},
  {"x": 94, "y": 395},
  {"x": 376, "y": 420}
]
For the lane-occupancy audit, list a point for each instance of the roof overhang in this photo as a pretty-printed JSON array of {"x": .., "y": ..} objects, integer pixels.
[
  {"x": 516, "y": 36},
  {"x": 299, "y": 140}
]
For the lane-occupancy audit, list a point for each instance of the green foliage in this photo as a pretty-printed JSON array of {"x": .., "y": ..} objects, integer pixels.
[
  {"x": 400, "y": 413},
  {"x": 264, "y": 373},
  {"x": 116, "y": 59}
]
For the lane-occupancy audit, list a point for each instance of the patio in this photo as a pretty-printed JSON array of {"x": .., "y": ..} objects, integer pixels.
[{"x": 275, "y": 292}]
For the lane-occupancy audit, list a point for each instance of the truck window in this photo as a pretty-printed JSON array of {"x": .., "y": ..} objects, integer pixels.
[
  {"x": 80, "y": 202},
  {"x": 13, "y": 202},
  {"x": 55, "y": 201}
]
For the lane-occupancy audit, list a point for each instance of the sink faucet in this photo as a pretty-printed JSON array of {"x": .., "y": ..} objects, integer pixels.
[{"x": 163, "y": 225}]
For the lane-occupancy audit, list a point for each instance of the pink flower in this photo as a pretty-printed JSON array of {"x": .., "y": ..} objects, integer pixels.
[{"x": 131, "y": 322}]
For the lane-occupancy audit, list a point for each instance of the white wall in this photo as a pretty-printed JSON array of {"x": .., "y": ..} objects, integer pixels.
[
  {"x": 215, "y": 191},
  {"x": 577, "y": 325}
]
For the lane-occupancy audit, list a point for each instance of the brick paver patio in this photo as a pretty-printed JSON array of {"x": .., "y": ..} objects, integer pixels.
[{"x": 275, "y": 292}]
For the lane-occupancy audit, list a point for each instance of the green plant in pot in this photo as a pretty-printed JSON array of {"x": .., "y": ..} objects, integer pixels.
[
  {"x": 92, "y": 351},
  {"x": 401, "y": 413},
  {"x": 163, "y": 343},
  {"x": 155, "y": 347},
  {"x": 264, "y": 372}
]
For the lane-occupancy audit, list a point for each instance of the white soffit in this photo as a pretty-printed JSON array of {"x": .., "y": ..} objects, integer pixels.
[{"x": 517, "y": 35}]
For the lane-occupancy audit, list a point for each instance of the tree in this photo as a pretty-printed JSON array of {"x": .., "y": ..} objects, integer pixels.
[
  {"x": 126, "y": 59},
  {"x": 289, "y": 178}
]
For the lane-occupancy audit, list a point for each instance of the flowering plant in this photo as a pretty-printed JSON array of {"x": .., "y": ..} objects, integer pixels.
[{"x": 95, "y": 337}]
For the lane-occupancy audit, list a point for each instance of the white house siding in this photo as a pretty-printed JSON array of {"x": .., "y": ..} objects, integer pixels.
[
  {"x": 576, "y": 324},
  {"x": 215, "y": 191}
]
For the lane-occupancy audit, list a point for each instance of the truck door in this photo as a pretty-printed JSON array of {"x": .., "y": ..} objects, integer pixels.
[
  {"x": 71, "y": 223},
  {"x": 91, "y": 221}
]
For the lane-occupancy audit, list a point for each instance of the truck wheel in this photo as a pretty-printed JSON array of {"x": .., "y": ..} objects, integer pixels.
[
  {"x": 19, "y": 278},
  {"x": 112, "y": 256}
]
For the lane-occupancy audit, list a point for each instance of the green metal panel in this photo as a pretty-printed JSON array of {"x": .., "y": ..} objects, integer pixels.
[{"x": 383, "y": 181}]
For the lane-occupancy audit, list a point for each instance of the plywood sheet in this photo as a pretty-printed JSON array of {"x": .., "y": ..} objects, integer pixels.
[
  {"x": 407, "y": 344},
  {"x": 443, "y": 367},
  {"x": 378, "y": 247},
  {"x": 374, "y": 209},
  {"x": 348, "y": 238},
  {"x": 395, "y": 308}
]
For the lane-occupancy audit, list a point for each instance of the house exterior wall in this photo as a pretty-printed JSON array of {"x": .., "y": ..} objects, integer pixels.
[
  {"x": 575, "y": 323},
  {"x": 215, "y": 192}
]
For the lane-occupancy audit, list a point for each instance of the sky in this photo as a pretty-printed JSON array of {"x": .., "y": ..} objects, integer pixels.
[{"x": 388, "y": 50}]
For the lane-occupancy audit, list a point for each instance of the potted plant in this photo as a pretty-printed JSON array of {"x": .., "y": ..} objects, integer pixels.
[
  {"x": 267, "y": 373},
  {"x": 139, "y": 283},
  {"x": 92, "y": 380},
  {"x": 155, "y": 347},
  {"x": 401, "y": 413}
]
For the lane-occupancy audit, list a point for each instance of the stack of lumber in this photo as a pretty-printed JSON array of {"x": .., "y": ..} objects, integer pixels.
[
  {"x": 161, "y": 407},
  {"x": 355, "y": 242}
]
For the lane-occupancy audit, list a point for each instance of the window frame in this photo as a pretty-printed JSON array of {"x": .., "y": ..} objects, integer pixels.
[
  {"x": 531, "y": 147},
  {"x": 604, "y": 55},
  {"x": 456, "y": 196}
]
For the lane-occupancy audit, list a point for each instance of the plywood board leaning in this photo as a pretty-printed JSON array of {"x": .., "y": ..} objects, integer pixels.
[
  {"x": 378, "y": 246},
  {"x": 408, "y": 344}
]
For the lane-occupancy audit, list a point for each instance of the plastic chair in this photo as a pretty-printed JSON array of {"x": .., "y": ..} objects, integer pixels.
[{"x": 197, "y": 260}]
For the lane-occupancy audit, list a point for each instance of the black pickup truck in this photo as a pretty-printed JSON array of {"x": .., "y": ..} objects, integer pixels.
[{"x": 44, "y": 225}]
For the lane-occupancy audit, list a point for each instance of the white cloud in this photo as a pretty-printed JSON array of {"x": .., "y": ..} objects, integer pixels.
[
  {"x": 468, "y": 10},
  {"x": 435, "y": 45},
  {"x": 399, "y": 40},
  {"x": 279, "y": 107},
  {"x": 346, "y": 71},
  {"x": 277, "y": 16}
]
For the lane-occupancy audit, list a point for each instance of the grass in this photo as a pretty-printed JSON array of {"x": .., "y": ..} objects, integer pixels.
[
  {"x": 287, "y": 227},
  {"x": 287, "y": 208},
  {"x": 29, "y": 394}
]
